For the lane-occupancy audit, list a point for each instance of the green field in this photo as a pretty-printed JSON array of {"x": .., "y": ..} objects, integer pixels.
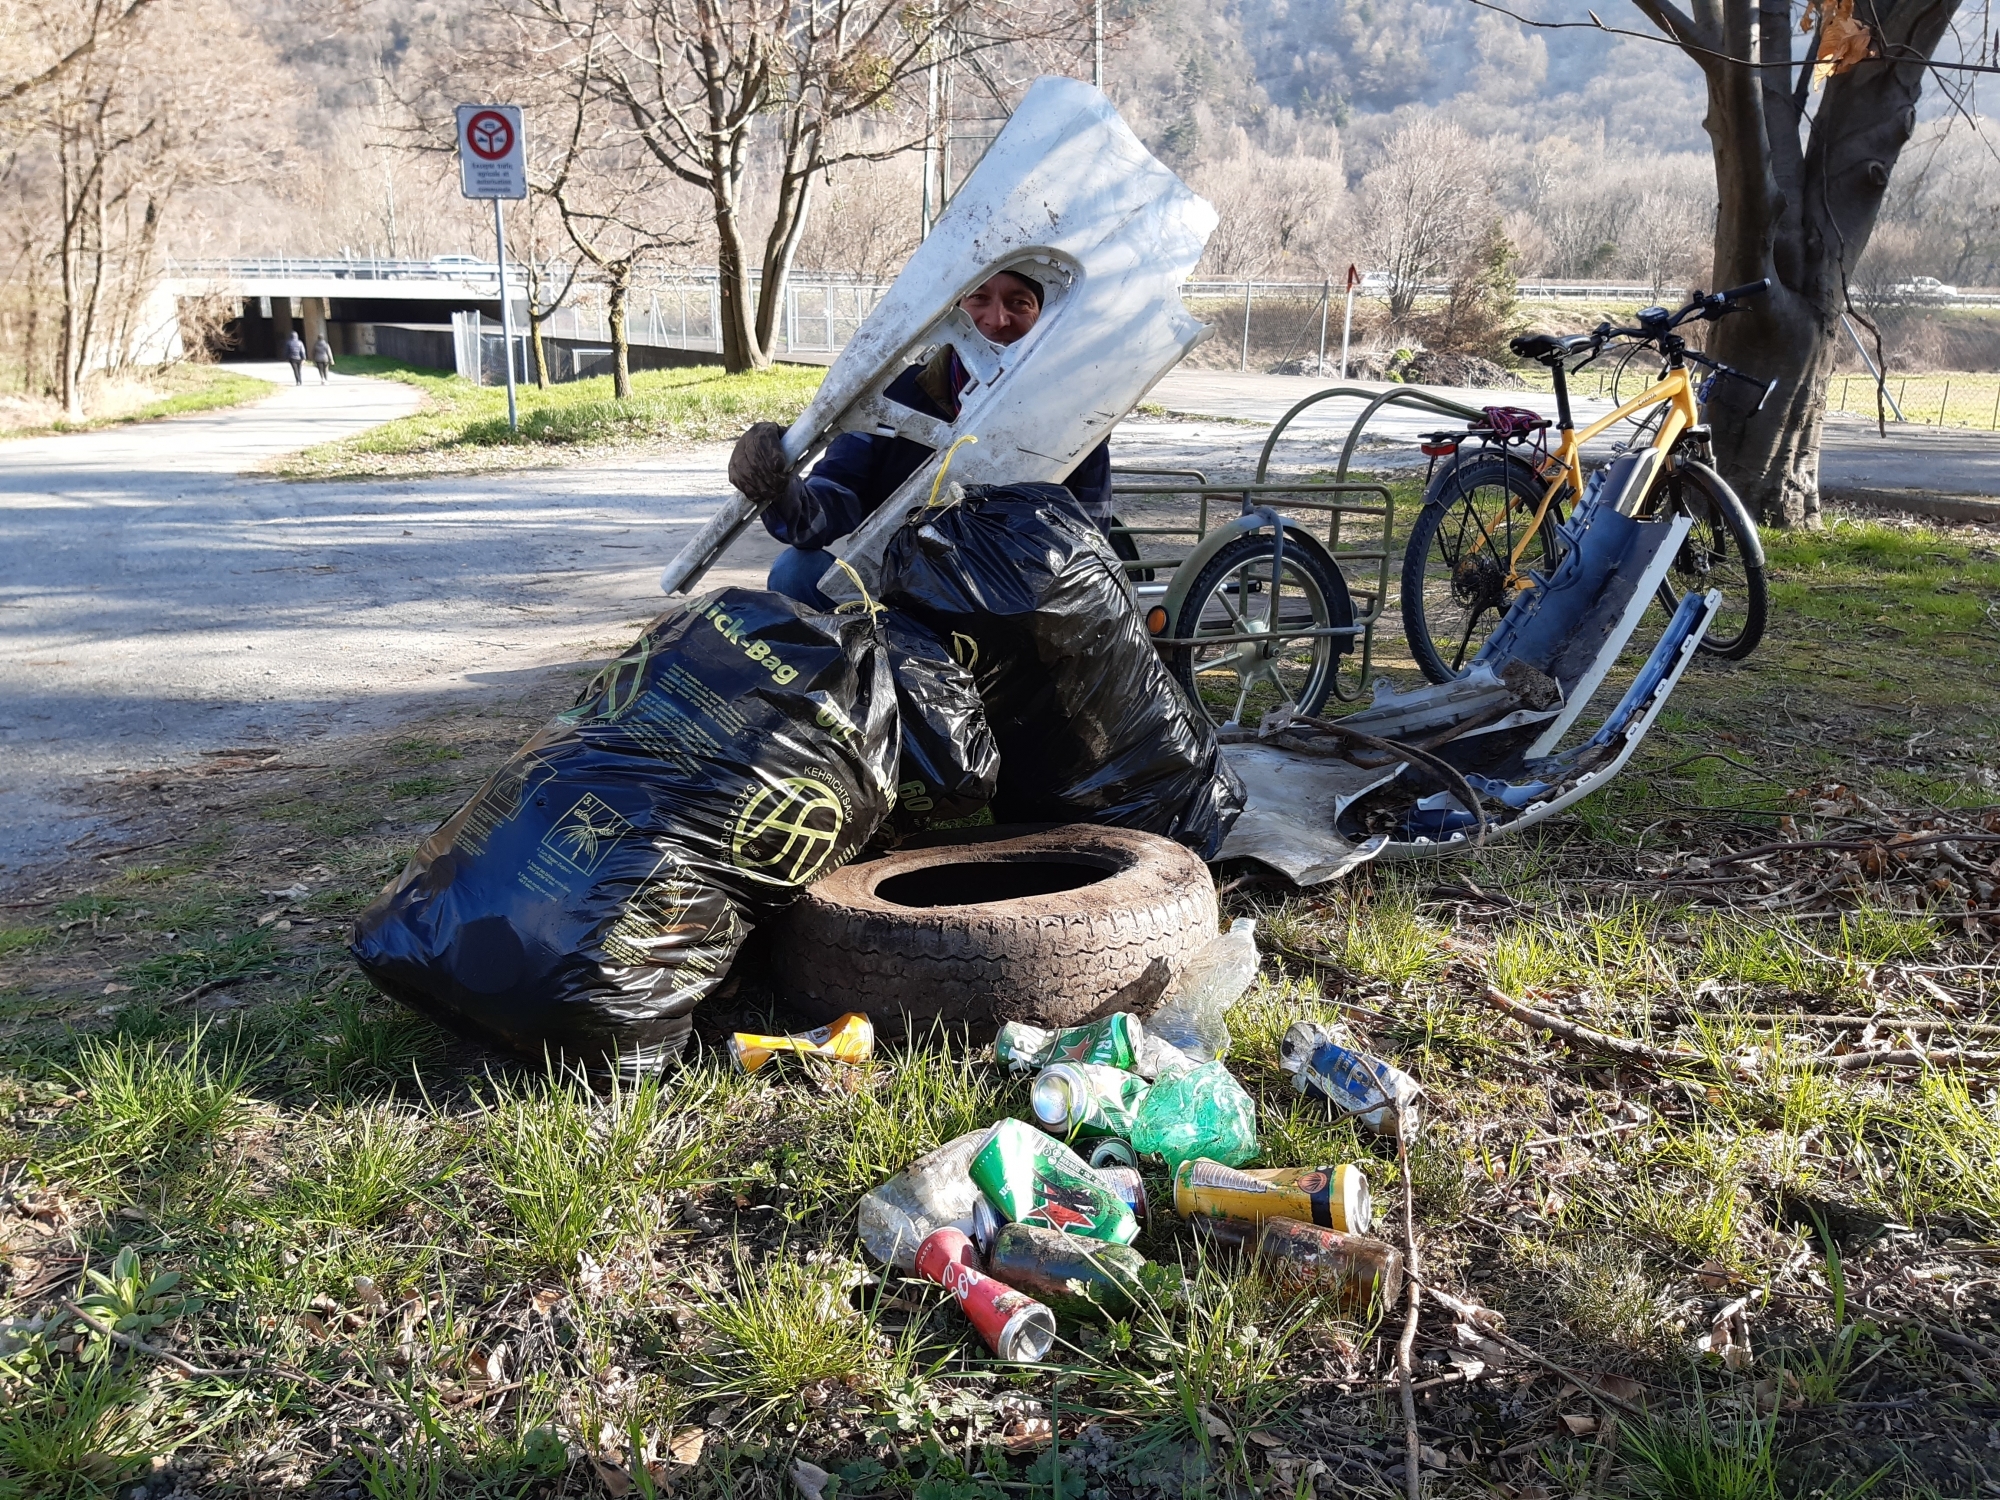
[{"x": 464, "y": 426}]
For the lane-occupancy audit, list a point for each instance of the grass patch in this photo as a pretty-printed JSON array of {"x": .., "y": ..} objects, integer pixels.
[
  {"x": 356, "y": 1194},
  {"x": 464, "y": 426},
  {"x": 182, "y": 390}
]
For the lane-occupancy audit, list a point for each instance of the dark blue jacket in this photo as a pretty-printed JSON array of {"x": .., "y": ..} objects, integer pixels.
[{"x": 859, "y": 470}]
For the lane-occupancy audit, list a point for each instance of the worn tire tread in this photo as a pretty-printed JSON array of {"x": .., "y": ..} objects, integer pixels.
[{"x": 1050, "y": 960}]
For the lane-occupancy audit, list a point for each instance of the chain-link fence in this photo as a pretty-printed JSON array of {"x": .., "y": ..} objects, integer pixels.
[{"x": 1955, "y": 400}]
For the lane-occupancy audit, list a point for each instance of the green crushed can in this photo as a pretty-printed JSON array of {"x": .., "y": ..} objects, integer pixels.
[
  {"x": 1032, "y": 1178},
  {"x": 1113, "y": 1042},
  {"x": 1086, "y": 1100}
]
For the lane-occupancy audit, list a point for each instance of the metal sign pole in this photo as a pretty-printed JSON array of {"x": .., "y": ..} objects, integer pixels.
[
  {"x": 506, "y": 315},
  {"x": 1347, "y": 322}
]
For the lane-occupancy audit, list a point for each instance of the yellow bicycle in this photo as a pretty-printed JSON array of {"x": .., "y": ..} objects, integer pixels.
[{"x": 1491, "y": 523}]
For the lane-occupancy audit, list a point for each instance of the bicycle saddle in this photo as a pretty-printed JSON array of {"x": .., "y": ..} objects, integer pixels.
[{"x": 1545, "y": 346}]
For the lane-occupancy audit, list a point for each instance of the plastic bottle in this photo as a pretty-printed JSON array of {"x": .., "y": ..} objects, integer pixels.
[
  {"x": 1160, "y": 1058},
  {"x": 1353, "y": 1269},
  {"x": 1192, "y": 1018},
  {"x": 1086, "y": 1099},
  {"x": 933, "y": 1192},
  {"x": 1073, "y": 1277},
  {"x": 1332, "y": 1197},
  {"x": 1203, "y": 1112}
]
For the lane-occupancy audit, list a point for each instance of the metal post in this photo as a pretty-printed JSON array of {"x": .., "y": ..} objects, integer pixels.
[
  {"x": 1346, "y": 332},
  {"x": 1244, "y": 362},
  {"x": 826, "y": 307},
  {"x": 715, "y": 311},
  {"x": 1097, "y": 43},
  {"x": 930, "y": 140},
  {"x": 1861, "y": 349},
  {"x": 1943, "y": 402},
  {"x": 1996, "y": 411},
  {"x": 1325, "y": 301},
  {"x": 506, "y": 316}
]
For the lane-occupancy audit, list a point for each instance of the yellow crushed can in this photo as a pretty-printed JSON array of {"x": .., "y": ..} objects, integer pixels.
[
  {"x": 850, "y": 1039},
  {"x": 1332, "y": 1197}
]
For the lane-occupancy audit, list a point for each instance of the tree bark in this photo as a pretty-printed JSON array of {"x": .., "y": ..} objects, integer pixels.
[
  {"x": 621, "y": 351},
  {"x": 1796, "y": 205}
]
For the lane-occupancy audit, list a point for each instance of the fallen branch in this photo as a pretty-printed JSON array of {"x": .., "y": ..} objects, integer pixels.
[
  {"x": 1585, "y": 1037},
  {"x": 1887, "y": 1023},
  {"x": 1413, "y": 1450},
  {"x": 165, "y": 1357},
  {"x": 133, "y": 848},
  {"x": 1855, "y": 1062},
  {"x": 209, "y": 987},
  {"x": 237, "y": 1372},
  {"x": 1490, "y": 1323},
  {"x": 1890, "y": 845}
]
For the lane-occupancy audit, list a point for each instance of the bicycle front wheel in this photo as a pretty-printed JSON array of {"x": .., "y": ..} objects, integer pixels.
[
  {"x": 1717, "y": 554},
  {"x": 1457, "y": 581}
]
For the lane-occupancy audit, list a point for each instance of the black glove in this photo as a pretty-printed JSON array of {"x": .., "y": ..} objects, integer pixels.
[{"x": 758, "y": 467}]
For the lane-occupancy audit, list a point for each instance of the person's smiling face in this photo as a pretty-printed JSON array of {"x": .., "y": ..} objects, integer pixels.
[{"x": 1002, "y": 308}]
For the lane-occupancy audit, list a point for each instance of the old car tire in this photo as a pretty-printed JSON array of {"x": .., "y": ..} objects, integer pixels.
[{"x": 1053, "y": 927}]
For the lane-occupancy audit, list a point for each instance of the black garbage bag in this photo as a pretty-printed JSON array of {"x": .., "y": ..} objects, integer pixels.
[
  {"x": 1091, "y": 726},
  {"x": 596, "y": 889},
  {"x": 949, "y": 767}
]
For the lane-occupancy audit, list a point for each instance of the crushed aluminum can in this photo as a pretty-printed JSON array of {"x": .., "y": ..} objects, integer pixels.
[
  {"x": 850, "y": 1039},
  {"x": 1113, "y": 1042},
  {"x": 1365, "y": 1089},
  {"x": 1086, "y": 1099},
  {"x": 1032, "y": 1178},
  {"x": 1332, "y": 1197}
]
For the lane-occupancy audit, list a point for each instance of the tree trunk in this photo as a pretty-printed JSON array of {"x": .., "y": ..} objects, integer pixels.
[
  {"x": 535, "y": 346},
  {"x": 1797, "y": 211},
  {"x": 781, "y": 245},
  {"x": 621, "y": 351},
  {"x": 741, "y": 347},
  {"x": 68, "y": 253}
]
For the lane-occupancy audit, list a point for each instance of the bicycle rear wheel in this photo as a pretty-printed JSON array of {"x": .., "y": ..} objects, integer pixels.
[{"x": 1478, "y": 510}]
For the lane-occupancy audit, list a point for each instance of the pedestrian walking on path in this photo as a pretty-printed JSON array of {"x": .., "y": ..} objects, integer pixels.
[
  {"x": 322, "y": 356},
  {"x": 295, "y": 351}
]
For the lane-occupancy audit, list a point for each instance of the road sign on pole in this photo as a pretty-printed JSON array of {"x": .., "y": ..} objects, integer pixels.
[{"x": 493, "y": 163}]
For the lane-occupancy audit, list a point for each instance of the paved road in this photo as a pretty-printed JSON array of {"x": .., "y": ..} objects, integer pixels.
[
  {"x": 157, "y": 601},
  {"x": 1950, "y": 461}
]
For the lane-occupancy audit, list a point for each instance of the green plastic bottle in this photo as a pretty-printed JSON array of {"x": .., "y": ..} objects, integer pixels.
[{"x": 1202, "y": 1112}]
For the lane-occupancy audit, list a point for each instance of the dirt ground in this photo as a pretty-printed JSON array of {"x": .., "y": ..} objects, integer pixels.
[{"x": 367, "y": 1259}]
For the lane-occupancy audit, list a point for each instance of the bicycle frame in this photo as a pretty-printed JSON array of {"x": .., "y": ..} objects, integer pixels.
[{"x": 1564, "y": 469}]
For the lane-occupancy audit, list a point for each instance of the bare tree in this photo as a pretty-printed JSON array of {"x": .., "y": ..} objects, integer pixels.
[
  {"x": 1424, "y": 207},
  {"x": 700, "y": 82},
  {"x": 144, "y": 104},
  {"x": 612, "y": 198}
]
